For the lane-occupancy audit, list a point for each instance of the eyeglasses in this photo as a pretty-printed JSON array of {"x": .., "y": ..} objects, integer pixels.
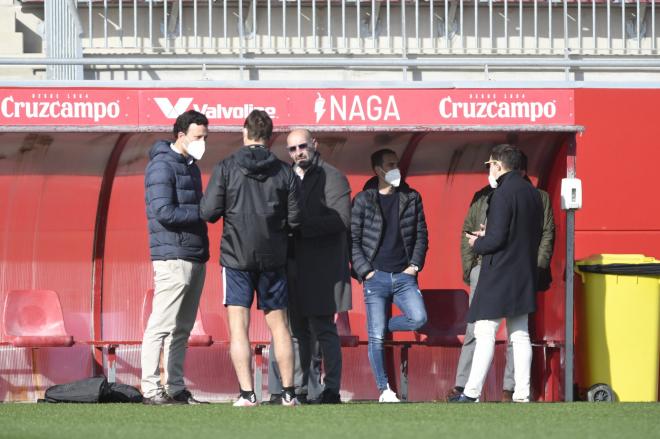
[{"x": 293, "y": 147}]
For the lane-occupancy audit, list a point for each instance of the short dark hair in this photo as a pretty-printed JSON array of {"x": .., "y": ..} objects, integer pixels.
[
  {"x": 510, "y": 156},
  {"x": 377, "y": 157},
  {"x": 259, "y": 125},
  {"x": 184, "y": 121}
]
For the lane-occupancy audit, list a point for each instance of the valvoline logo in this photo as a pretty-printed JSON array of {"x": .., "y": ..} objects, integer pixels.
[{"x": 210, "y": 110}]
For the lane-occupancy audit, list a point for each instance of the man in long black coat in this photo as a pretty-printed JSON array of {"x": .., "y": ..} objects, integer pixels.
[
  {"x": 319, "y": 278},
  {"x": 507, "y": 283}
]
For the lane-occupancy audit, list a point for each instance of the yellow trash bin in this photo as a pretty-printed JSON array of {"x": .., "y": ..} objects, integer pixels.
[{"x": 618, "y": 322}]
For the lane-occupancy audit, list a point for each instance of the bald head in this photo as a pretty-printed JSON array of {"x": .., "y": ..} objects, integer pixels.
[{"x": 301, "y": 146}]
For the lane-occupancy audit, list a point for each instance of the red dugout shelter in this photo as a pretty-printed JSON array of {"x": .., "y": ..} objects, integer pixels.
[{"x": 72, "y": 215}]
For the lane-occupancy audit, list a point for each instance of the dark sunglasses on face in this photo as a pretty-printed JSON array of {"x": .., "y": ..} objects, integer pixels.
[{"x": 293, "y": 148}]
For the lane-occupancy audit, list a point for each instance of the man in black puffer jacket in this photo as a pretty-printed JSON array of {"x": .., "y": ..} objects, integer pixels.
[
  {"x": 179, "y": 250},
  {"x": 257, "y": 195},
  {"x": 389, "y": 243}
]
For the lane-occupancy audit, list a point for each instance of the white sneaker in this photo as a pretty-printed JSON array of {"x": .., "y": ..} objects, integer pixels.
[
  {"x": 388, "y": 395},
  {"x": 242, "y": 402},
  {"x": 289, "y": 400}
]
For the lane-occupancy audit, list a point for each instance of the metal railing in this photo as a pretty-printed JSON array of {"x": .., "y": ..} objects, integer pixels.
[{"x": 378, "y": 27}]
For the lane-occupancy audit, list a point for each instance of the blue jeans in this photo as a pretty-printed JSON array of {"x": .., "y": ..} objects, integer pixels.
[{"x": 379, "y": 292}]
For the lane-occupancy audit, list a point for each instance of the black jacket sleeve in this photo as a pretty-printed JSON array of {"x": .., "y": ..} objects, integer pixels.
[
  {"x": 212, "y": 206},
  {"x": 422, "y": 239},
  {"x": 293, "y": 201},
  {"x": 359, "y": 260},
  {"x": 160, "y": 183}
]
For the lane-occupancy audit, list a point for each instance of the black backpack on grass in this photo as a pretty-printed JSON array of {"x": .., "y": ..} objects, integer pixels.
[{"x": 92, "y": 390}]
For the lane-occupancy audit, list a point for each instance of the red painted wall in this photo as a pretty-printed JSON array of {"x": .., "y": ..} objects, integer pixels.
[{"x": 618, "y": 159}]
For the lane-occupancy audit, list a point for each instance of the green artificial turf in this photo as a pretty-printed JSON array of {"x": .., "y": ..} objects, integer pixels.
[{"x": 357, "y": 420}]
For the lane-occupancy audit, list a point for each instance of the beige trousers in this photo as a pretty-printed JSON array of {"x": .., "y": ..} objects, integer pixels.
[{"x": 179, "y": 286}]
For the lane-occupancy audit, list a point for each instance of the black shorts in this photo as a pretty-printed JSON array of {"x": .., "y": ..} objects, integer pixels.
[{"x": 271, "y": 287}]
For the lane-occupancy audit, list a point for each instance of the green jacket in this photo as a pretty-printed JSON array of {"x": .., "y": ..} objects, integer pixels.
[{"x": 477, "y": 215}]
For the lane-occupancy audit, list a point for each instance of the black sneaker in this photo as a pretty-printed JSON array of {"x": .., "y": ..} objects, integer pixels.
[
  {"x": 328, "y": 397},
  {"x": 275, "y": 399},
  {"x": 185, "y": 397},
  {"x": 161, "y": 398},
  {"x": 462, "y": 399}
]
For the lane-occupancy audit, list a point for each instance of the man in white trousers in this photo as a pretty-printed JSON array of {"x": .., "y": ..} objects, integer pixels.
[{"x": 508, "y": 279}]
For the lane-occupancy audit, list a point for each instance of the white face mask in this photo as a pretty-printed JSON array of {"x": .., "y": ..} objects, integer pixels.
[
  {"x": 393, "y": 177},
  {"x": 196, "y": 149},
  {"x": 492, "y": 181}
]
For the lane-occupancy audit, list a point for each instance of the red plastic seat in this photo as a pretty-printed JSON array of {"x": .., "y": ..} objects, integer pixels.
[
  {"x": 34, "y": 319},
  {"x": 198, "y": 335},
  {"x": 447, "y": 311}
]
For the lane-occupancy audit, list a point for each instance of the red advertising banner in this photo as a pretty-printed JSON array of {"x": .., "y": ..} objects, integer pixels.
[
  {"x": 149, "y": 108},
  {"x": 86, "y": 107}
]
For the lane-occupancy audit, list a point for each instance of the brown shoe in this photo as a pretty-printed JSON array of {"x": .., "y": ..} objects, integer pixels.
[
  {"x": 454, "y": 393},
  {"x": 507, "y": 396}
]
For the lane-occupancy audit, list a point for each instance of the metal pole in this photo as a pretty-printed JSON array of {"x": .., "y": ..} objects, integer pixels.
[
  {"x": 268, "y": 13},
  {"x": 520, "y": 26},
  {"x": 570, "y": 256},
  {"x": 462, "y": 28},
  {"x": 314, "y": 24},
  {"x": 536, "y": 25},
  {"x": 490, "y": 24},
  {"x": 135, "y": 34},
  {"x": 506, "y": 25},
  {"x": 579, "y": 25},
  {"x": 417, "y": 23},
  {"x": 653, "y": 25},
  {"x": 195, "y": 24},
  {"x": 566, "y": 25},
  {"x": 330, "y": 24},
  {"x": 623, "y": 25},
  {"x": 300, "y": 44},
  {"x": 476, "y": 24},
  {"x": 105, "y": 23},
  {"x": 447, "y": 24},
  {"x": 609, "y": 28},
  {"x": 389, "y": 38}
]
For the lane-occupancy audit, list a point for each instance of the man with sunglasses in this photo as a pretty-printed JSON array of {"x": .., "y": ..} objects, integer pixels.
[
  {"x": 257, "y": 195},
  {"x": 319, "y": 274},
  {"x": 508, "y": 279}
]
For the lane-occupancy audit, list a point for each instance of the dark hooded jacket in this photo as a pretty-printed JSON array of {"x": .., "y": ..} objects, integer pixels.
[
  {"x": 257, "y": 195},
  {"x": 367, "y": 227},
  {"x": 173, "y": 189}
]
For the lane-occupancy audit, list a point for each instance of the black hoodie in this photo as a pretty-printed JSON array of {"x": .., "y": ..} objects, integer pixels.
[{"x": 257, "y": 195}]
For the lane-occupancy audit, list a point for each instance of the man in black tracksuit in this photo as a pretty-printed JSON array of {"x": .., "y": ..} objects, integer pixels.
[{"x": 257, "y": 195}]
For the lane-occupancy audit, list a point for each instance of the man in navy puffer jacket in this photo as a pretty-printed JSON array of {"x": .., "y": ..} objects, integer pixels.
[{"x": 179, "y": 246}]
